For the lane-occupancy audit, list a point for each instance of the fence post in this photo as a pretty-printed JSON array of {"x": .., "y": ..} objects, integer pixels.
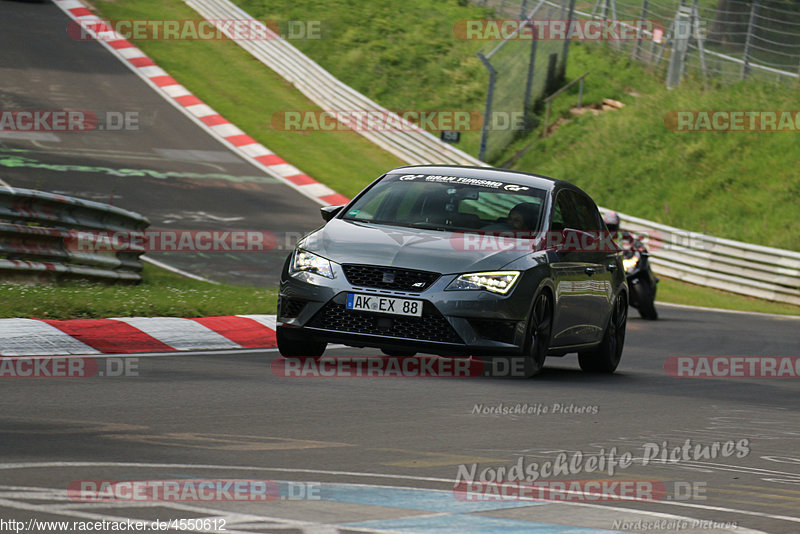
[
  {"x": 635, "y": 54},
  {"x": 488, "y": 112},
  {"x": 680, "y": 45},
  {"x": 565, "y": 52},
  {"x": 747, "y": 43},
  {"x": 523, "y": 9},
  {"x": 698, "y": 36},
  {"x": 529, "y": 85}
]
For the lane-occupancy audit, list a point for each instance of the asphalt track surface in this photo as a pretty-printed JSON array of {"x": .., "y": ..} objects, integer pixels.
[
  {"x": 234, "y": 416},
  {"x": 356, "y": 442},
  {"x": 167, "y": 168}
]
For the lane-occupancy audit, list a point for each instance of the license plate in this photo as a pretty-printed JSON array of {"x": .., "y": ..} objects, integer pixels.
[{"x": 374, "y": 303}]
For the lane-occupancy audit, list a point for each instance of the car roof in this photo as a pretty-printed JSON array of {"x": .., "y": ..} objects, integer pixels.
[{"x": 486, "y": 173}]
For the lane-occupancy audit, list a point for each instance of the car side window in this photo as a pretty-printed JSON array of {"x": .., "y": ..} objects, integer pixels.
[
  {"x": 586, "y": 214},
  {"x": 563, "y": 212}
]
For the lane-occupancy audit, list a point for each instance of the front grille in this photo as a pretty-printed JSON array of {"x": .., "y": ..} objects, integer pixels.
[
  {"x": 389, "y": 277},
  {"x": 432, "y": 326}
]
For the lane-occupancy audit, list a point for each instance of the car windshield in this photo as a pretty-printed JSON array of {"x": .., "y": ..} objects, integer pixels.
[{"x": 450, "y": 203}]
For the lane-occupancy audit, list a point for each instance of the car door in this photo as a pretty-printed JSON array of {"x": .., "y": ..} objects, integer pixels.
[
  {"x": 599, "y": 263},
  {"x": 574, "y": 320}
]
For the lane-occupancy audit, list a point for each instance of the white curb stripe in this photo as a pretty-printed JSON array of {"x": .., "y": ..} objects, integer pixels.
[
  {"x": 29, "y": 337},
  {"x": 266, "y": 320},
  {"x": 179, "y": 333}
]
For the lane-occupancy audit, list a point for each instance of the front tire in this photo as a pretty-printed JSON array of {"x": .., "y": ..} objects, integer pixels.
[
  {"x": 298, "y": 348},
  {"x": 539, "y": 332},
  {"x": 605, "y": 358}
]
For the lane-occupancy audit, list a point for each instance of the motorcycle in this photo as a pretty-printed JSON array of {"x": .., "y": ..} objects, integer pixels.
[{"x": 641, "y": 280}]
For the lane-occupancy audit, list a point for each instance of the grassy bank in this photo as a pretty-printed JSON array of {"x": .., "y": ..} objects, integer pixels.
[
  {"x": 161, "y": 294},
  {"x": 739, "y": 185}
]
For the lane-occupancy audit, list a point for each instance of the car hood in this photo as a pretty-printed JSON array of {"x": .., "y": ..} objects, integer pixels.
[{"x": 427, "y": 250}]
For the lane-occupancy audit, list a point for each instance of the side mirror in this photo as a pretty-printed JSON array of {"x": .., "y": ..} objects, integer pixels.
[{"x": 329, "y": 212}]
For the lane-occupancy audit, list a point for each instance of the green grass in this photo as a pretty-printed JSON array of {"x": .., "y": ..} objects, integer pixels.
[
  {"x": 161, "y": 294},
  {"x": 739, "y": 185},
  {"x": 403, "y": 54},
  {"x": 677, "y": 292},
  {"x": 248, "y": 94}
]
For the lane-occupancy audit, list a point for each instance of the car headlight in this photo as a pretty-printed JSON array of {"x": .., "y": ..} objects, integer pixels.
[
  {"x": 304, "y": 261},
  {"x": 630, "y": 263},
  {"x": 497, "y": 282}
]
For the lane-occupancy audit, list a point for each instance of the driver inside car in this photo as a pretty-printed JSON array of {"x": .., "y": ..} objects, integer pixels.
[{"x": 523, "y": 216}]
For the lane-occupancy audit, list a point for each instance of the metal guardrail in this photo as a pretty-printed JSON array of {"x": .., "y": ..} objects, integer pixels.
[
  {"x": 411, "y": 144},
  {"x": 43, "y": 235},
  {"x": 753, "y": 270}
]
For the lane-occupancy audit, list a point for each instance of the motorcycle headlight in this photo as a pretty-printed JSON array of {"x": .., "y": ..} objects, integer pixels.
[
  {"x": 630, "y": 263},
  {"x": 304, "y": 261},
  {"x": 497, "y": 282}
]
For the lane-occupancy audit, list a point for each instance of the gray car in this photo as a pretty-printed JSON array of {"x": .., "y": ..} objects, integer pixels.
[{"x": 459, "y": 261}]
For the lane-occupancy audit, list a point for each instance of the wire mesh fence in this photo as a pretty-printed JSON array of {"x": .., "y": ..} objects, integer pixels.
[
  {"x": 522, "y": 68},
  {"x": 720, "y": 41}
]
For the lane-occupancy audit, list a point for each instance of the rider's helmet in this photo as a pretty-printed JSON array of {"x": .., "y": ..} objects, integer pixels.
[{"x": 612, "y": 221}]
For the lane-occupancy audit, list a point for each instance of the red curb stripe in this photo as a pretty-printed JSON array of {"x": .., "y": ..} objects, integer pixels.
[
  {"x": 99, "y": 27},
  {"x": 142, "y": 62},
  {"x": 240, "y": 140},
  {"x": 120, "y": 44},
  {"x": 335, "y": 199},
  {"x": 164, "y": 81},
  {"x": 108, "y": 335},
  {"x": 301, "y": 179},
  {"x": 80, "y": 11},
  {"x": 243, "y": 331},
  {"x": 271, "y": 159},
  {"x": 188, "y": 100},
  {"x": 214, "y": 120}
]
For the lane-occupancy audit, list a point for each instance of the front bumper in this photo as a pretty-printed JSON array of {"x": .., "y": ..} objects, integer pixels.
[{"x": 454, "y": 323}]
